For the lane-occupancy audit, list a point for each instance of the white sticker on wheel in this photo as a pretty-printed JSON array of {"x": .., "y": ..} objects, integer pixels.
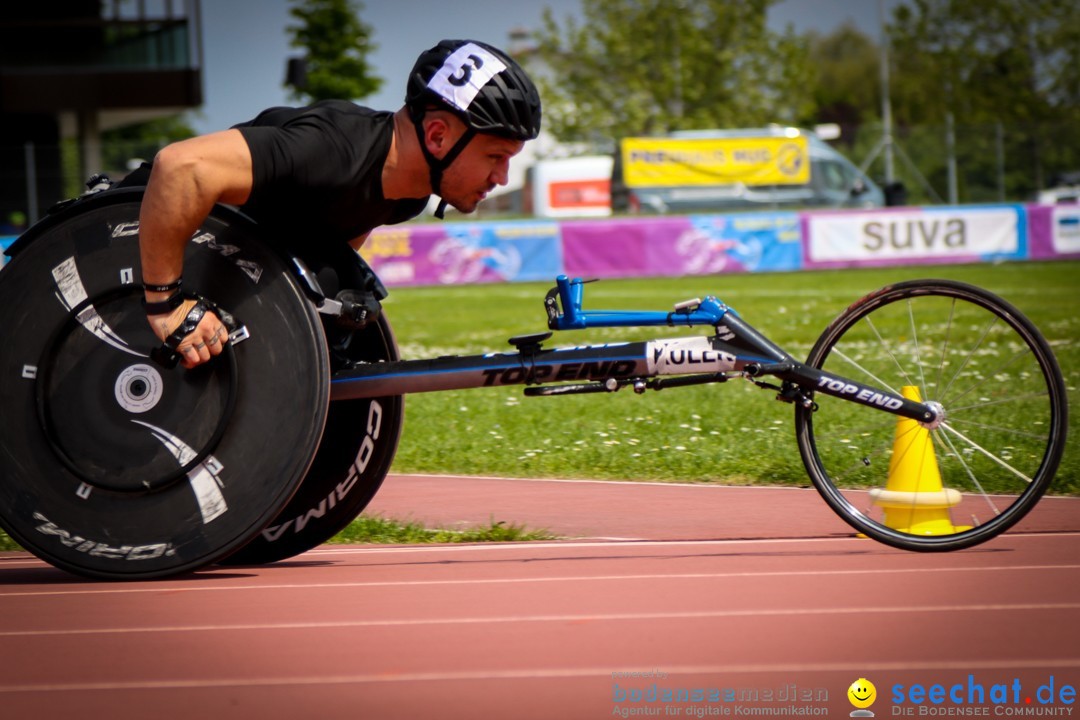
[
  {"x": 72, "y": 292},
  {"x": 138, "y": 388},
  {"x": 204, "y": 479}
]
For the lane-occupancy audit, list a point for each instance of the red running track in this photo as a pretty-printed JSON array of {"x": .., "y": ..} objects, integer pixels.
[{"x": 557, "y": 629}]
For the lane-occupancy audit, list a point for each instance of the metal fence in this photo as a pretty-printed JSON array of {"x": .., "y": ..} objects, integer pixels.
[{"x": 963, "y": 164}]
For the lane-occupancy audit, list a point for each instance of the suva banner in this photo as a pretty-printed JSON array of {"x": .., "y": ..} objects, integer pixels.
[
  {"x": 678, "y": 162},
  {"x": 651, "y": 246},
  {"x": 914, "y": 235}
]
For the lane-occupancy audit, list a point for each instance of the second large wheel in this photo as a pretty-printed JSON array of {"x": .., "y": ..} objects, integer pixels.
[
  {"x": 357, "y": 449},
  {"x": 949, "y": 484}
]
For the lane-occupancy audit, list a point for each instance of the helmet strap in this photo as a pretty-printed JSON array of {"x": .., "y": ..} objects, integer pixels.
[{"x": 436, "y": 166}]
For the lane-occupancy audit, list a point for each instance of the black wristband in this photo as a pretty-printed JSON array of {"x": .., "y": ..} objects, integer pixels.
[
  {"x": 163, "y": 306},
  {"x": 174, "y": 285}
]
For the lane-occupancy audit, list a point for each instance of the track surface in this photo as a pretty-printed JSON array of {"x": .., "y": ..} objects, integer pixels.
[{"x": 760, "y": 591}]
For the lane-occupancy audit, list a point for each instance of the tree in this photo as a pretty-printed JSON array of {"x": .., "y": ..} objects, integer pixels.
[
  {"x": 337, "y": 44},
  {"x": 846, "y": 84},
  {"x": 1008, "y": 66},
  {"x": 636, "y": 67}
]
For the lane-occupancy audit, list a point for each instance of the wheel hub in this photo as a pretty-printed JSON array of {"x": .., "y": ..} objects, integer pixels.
[{"x": 939, "y": 415}]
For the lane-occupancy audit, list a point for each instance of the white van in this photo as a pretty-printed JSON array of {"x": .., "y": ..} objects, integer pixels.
[
  {"x": 827, "y": 180},
  {"x": 569, "y": 187}
]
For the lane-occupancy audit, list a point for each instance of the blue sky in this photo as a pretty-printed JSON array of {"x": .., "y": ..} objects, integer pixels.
[{"x": 245, "y": 44}]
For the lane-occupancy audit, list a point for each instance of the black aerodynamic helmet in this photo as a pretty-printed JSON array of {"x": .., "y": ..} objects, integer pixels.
[{"x": 480, "y": 84}]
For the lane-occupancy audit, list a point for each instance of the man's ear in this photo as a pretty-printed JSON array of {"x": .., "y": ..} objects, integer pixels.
[
  {"x": 434, "y": 134},
  {"x": 438, "y": 133}
]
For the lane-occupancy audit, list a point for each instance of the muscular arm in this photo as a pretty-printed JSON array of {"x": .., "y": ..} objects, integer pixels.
[{"x": 188, "y": 178}]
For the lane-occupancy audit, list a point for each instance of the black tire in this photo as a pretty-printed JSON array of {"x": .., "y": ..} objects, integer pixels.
[
  {"x": 114, "y": 467},
  {"x": 357, "y": 449},
  {"x": 1005, "y": 416}
]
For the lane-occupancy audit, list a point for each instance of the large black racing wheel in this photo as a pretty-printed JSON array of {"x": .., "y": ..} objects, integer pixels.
[
  {"x": 114, "y": 467},
  {"x": 983, "y": 464},
  {"x": 357, "y": 449}
]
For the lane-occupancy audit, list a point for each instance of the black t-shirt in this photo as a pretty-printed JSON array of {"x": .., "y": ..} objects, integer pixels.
[{"x": 318, "y": 172}]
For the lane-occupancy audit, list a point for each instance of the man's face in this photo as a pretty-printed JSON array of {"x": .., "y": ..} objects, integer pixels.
[{"x": 483, "y": 164}]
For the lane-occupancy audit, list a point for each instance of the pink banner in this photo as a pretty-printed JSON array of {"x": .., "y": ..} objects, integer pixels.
[{"x": 1054, "y": 231}]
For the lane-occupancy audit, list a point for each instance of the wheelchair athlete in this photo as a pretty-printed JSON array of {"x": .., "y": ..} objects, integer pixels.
[{"x": 324, "y": 176}]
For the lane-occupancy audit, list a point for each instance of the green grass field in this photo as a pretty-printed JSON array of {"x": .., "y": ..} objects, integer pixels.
[{"x": 733, "y": 433}]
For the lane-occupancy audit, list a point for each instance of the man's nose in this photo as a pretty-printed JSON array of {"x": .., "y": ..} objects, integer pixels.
[{"x": 501, "y": 174}]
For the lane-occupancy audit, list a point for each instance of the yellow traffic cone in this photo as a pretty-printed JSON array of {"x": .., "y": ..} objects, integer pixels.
[{"x": 914, "y": 499}]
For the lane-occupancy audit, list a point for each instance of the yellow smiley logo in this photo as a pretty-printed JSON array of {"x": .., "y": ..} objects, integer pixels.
[{"x": 862, "y": 693}]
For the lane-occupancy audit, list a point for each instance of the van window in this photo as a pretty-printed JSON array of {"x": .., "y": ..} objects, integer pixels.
[{"x": 833, "y": 176}]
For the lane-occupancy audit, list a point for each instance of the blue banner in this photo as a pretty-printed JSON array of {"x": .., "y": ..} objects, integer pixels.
[
  {"x": 751, "y": 242},
  {"x": 504, "y": 251}
]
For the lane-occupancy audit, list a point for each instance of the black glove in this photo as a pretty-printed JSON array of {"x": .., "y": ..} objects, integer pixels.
[{"x": 166, "y": 354}]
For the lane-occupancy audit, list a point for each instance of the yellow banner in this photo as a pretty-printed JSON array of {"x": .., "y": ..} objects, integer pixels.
[{"x": 667, "y": 162}]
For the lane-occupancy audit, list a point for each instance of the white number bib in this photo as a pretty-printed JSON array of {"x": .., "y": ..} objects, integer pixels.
[{"x": 464, "y": 73}]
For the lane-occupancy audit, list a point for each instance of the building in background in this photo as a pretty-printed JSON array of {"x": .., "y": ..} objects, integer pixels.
[{"x": 71, "y": 69}]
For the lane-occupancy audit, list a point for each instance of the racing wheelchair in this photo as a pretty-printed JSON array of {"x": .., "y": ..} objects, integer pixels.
[{"x": 931, "y": 415}]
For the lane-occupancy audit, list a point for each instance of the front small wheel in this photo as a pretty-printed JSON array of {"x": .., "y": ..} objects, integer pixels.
[{"x": 972, "y": 474}]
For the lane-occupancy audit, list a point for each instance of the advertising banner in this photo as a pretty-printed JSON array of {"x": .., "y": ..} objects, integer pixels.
[
  {"x": 617, "y": 248},
  {"x": 914, "y": 235},
  {"x": 654, "y": 246},
  {"x": 1054, "y": 231},
  {"x": 670, "y": 162},
  {"x": 692, "y": 245},
  {"x": 456, "y": 253},
  {"x": 579, "y": 195},
  {"x": 748, "y": 242}
]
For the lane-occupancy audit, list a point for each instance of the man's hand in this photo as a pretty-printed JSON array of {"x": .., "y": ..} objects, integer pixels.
[{"x": 206, "y": 340}]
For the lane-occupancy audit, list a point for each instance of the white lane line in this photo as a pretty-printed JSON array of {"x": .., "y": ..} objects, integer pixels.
[
  {"x": 857, "y": 611},
  {"x": 561, "y": 545},
  {"x": 173, "y": 588},
  {"x": 549, "y": 673},
  {"x": 405, "y": 477},
  {"x": 523, "y": 545},
  {"x": 623, "y": 545},
  {"x": 572, "y": 545}
]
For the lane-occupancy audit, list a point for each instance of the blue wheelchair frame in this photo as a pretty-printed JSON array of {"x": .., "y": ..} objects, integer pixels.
[{"x": 733, "y": 349}]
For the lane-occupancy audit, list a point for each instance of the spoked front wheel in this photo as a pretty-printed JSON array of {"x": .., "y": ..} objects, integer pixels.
[{"x": 967, "y": 477}]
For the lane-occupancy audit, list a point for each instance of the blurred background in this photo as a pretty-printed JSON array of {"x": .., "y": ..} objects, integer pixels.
[{"x": 898, "y": 101}]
